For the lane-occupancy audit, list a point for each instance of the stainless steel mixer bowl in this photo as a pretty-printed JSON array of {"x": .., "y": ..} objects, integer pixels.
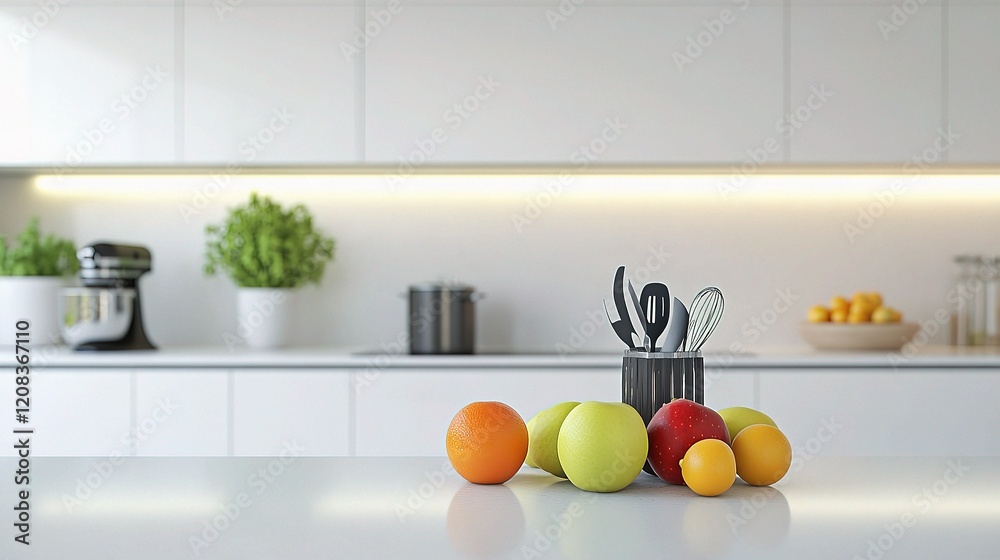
[{"x": 94, "y": 314}]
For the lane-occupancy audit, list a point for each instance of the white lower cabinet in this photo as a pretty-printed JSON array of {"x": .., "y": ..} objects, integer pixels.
[
  {"x": 180, "y": 413},
  {"x": 725, "y": 387},
  {"x": 406, "y": 412},
  {"x": 875, "y": 412},
  {"x": 278, "y": 409},
  {"x": 74, "y": 412}
]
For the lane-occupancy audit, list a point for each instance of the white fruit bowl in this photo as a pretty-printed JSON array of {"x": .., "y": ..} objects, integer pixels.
[{"x": 853, "y": 336}]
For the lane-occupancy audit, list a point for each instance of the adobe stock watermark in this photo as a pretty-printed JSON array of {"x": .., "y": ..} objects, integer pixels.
[
  {"x": 697, "y": 44},
  {"x": 422, "y": 319},
  {"x": 801, "y": 454},
  {"x": 257, "y": 484},
  {"x": 417, "y": 497},
  {"x": 32, "y": 25},
  {"x": 388, "y": 354},
  {"x": 900, "y": 16},
  {"x": 597, "y": 319},
  {"x": 103, "y": 469},
  {"x": 581, "y": 157},
  {"x": 92, "y": 137},
  {"x": 547, "y": 537},
  {"x": 959, "y": 299},
  {"x": 786, "y": 127},
  {"x": 562, "y": 13},
  {"x": 454, "y": 117},
  {"x": 922, "y": 503},
  {"x": 759, "y": 324},
  {"x": 376, "y": 22},
  {"x": 250, "y": 149},
  {"x": 884, "y": 199}
]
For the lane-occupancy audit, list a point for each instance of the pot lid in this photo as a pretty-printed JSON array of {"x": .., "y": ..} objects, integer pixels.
[{"x": 441, "y": 287}]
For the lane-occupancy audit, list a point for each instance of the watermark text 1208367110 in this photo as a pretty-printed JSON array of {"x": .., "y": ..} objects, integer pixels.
[{"x": 22, "y": 433}]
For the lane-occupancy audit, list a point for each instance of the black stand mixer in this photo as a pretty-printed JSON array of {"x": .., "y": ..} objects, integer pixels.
[{"x": 106, "y": 313}]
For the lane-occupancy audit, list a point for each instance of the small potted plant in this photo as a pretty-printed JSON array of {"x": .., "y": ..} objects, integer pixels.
[
  {"x": 269, "y": 252},
  {"x": 31, "y": 273}
]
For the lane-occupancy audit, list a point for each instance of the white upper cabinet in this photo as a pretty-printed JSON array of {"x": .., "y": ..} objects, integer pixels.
[
  {"x": 269, "y": 84},
  {"x": 567, "y": 84},
  {"x": 86, "y": 85},
  {"x": 974, "y": 82},
  {"x": 865, "y": 86},
  {"x": 599, "y": 84}
]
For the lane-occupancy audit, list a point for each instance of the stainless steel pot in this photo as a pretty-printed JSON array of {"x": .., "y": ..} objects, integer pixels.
[
  {"x": 95, "y": 314},
  {"x": 442, "y": 318}
]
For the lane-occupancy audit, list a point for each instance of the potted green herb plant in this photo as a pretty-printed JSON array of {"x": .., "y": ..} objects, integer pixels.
[
  {"x": 269, "y": 252},
  {"x": 32, "y": 270}
]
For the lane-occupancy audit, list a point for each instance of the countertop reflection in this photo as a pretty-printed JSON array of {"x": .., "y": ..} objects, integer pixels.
[{"x": 293, "y": 507}]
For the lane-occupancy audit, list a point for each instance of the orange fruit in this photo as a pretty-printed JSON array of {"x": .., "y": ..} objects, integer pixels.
[
  {"x": 763, "y": 454},
  {"x": 487, "y": 442},
  {"x": 709, "y": 467}
]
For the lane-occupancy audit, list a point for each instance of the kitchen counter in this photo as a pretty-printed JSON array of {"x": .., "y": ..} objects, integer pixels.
[
  {"x": 354, "y": 358},
  {"x": 295, "y": 507}
]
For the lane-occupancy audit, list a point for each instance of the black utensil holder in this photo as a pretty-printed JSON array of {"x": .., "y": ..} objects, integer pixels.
[{"x": 652, "y": 379}]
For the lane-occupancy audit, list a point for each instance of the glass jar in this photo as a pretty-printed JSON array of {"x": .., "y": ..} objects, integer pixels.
[{"x": 976, "y": 317}]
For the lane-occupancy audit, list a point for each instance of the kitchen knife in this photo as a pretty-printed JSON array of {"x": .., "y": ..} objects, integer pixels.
[
  {"x": 642, "y": 317},
  {"x": 622, "y": 307}
]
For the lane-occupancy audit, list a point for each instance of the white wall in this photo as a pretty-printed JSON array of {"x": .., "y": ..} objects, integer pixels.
[
  {"x": 893, "y": 92},
  {"x": 541, "y": 282}
]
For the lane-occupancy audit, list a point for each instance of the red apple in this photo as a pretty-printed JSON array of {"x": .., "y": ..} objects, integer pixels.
[{"x": 674, "y": 428}]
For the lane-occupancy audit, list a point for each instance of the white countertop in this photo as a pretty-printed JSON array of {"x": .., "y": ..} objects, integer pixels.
[
  {"x": 353, "y": 358},
  {"x": 347, "y": 508}
]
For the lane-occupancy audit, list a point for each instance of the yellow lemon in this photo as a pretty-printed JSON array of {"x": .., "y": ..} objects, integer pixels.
[
  {"x": 709, "y": 467},
  {"x": 858, "y": 318},
  {"x": 838, "y": 315},
  {"x": 762, "y": 453},
  {"x": 818, "y": 314},
  {"x": 875, "y": 299},
  {"x": 839, "y": 302},
  {"x": 861, "y": 309},
  {"x": 882, "y": 315}
]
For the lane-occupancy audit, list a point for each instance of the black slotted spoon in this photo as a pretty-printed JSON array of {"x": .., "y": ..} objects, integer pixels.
[{"x": 655, "y": 301}]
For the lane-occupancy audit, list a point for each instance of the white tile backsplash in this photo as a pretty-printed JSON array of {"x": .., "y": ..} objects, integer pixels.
[{"x": 545, "y": 283}]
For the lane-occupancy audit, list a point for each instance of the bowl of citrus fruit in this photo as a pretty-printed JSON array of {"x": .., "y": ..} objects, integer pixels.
[{"x": 863, "y": 322}]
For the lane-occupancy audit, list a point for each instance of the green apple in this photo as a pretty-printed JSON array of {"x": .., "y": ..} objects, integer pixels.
[
  {"x": 739, "y": 417},
  {"x": 603, "y": 446},
  {"x": 527, "y": 458},
  {"x": 543, "y": 437}
]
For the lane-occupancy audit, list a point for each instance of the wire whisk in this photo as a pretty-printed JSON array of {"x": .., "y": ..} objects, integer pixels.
[{"x": 706, "y": 312}]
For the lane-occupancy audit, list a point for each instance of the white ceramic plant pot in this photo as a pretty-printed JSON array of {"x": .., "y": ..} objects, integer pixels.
[
  {"x": 264, "y": 316},
  {"x": 35, "y": 299}
]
